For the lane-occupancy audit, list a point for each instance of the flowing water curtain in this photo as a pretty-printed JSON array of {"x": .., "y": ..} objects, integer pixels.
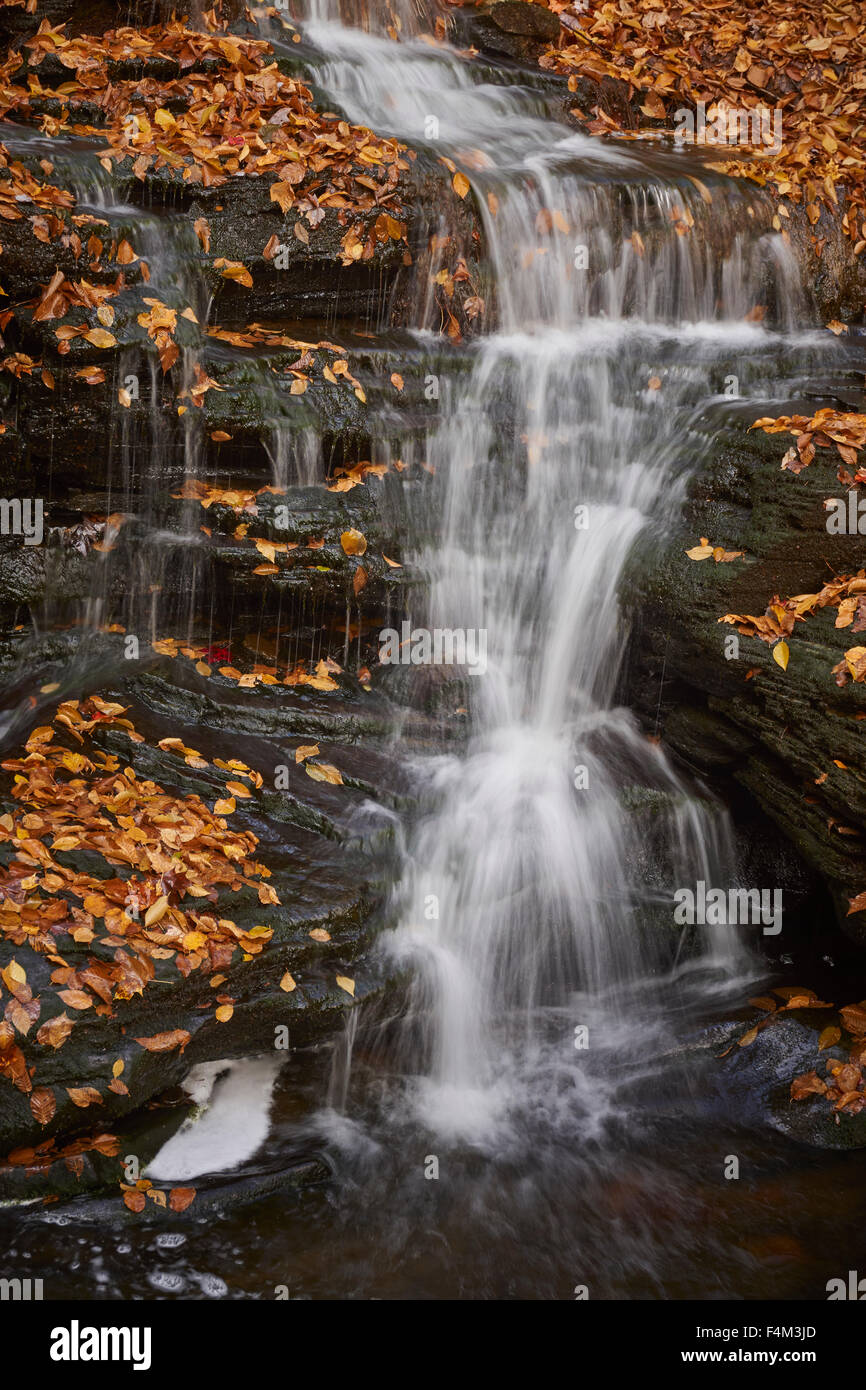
[
  {"x": 391, "y": 18},
  {"x": 604, "y": 259}
]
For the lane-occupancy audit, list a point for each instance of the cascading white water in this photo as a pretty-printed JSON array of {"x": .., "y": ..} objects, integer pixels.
[{"x": 621, "y": 286}]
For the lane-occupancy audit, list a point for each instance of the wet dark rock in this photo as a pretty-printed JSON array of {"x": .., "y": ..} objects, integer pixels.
[
  {"x": 516, "y": 17},
  {"x": 756, "y": 1079},
  {"x": 329, "y": 871},
  {"x": 211, "y": 1199},
  {"x": 746, "y": 723},
  {"x": 512, "y": 28},
  {"x": 96, "y": 16}
]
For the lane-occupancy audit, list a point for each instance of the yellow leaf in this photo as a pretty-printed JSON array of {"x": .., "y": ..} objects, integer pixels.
[
  {"x": 224, "y": 1013},
  {"x": 287, "y": 983},
  {"x": 306, "y": 750},
  {"x": 156, "y": 911},
  {"x": 345, "y": 983},
  {"x": 234, "y": 270},
  {"x": 323, "y": 772},
  {"x": 14, "y": 976},
  {"x": 780, "y": 655},
  {"x": 460, "y": 183},
  {"x": 100, "y": 337},
  {"x": 353, "y": 542},
  {"x": 282, "y": 193},
  {"x": 224, "y": 807}
]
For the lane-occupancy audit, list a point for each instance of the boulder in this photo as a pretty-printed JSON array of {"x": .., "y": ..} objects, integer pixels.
[{"x": 791, "y": 738}]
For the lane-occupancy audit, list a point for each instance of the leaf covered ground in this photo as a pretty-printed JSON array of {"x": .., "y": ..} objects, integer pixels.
[{"x": 808, "y": 61}]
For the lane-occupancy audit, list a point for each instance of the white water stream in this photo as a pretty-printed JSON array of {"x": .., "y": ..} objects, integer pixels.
[
  {"x": 554, "y": 457},
  {"x": 614, "y": 271}
]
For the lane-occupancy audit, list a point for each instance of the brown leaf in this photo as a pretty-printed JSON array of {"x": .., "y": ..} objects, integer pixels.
[
  {"x": 854, "y": 1018},
  {"x": 75, "y": 998},
  {"x": 202, "y": 231},
  {"x": 43, "y": 1104},
  {"x": 166, "y": 1042},
  {"x": 809, "y": 1084},
  {"x": 82, "y": 1096},
  {"x": 23, "y": 1015},
  {"x": 55, "y": 1031}
]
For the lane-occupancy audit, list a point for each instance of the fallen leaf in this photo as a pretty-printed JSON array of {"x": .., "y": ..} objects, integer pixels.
[
  {"x": 83, "y": 1096},
  {"x": 324, "y": 772},
  {"x": 43, "y": 1104},
  {"x": 165, "y": 1042},
  {"x": 353, "y": 542}
]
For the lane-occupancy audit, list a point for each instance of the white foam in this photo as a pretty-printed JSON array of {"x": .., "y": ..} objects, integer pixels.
[{"x": 233, "y": 1123}]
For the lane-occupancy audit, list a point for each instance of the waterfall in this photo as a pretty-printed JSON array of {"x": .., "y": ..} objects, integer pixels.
[
  {"x": 623, "y": 284},
  {"x": 457, "y": 954}
]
